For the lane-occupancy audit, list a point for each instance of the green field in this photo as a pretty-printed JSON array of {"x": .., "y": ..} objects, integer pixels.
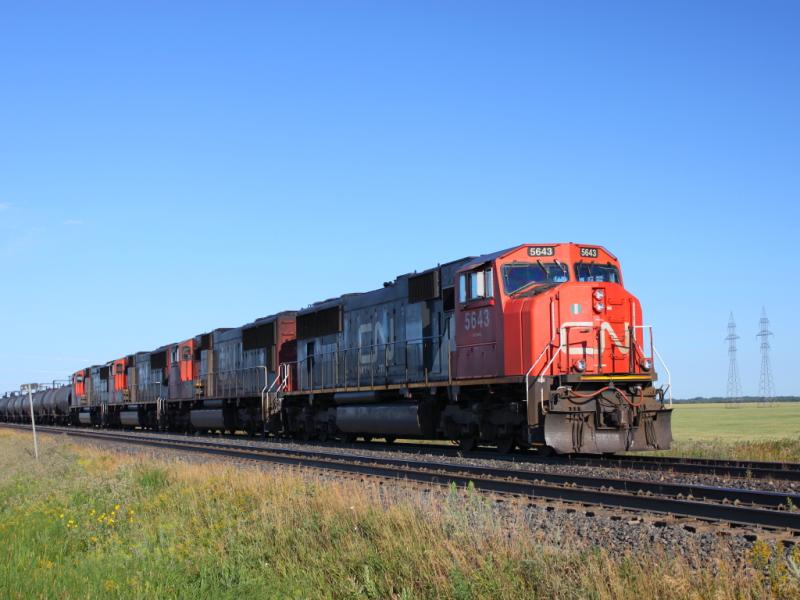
[
  {"x": 90, "y": 523},
  {"x": 736, "y": 422},
  {"x": 750, "y": 431}
]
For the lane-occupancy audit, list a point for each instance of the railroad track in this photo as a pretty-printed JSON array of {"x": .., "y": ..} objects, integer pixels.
[
  {"x": 771, "y": 510},
  {"x": 700, "y": 466},
  {"x": 729, "y": 468},
  {"x": 737, "y": 469}
]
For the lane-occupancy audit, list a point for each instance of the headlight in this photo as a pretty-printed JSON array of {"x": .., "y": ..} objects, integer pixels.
[
  {"x": 580, "y": 365},
  {"x": 599, "y": 294},
  {"x": 599, "y": 307},
  {"x": 647, "y": 364}
]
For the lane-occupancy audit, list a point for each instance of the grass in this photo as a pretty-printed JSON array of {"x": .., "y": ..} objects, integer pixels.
[
  {"x": 736, "y": 422},
  {"x": 89, "y": 523},
  {"x": 748, "y": 431}
]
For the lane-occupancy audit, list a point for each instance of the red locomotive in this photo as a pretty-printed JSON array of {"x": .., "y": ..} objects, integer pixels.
[{"x": 538, "y": 346}]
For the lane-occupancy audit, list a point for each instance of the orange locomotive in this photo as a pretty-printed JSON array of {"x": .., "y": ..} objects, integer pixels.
[
  {"x": 538, "y": 346},
  {"x": 559, "y": 316}
]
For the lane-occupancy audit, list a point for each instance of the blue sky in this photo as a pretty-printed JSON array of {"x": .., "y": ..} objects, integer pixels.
[{"x": 167, "y": 168}]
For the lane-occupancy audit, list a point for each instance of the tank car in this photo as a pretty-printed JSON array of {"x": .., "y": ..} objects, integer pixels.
[
  {"x": 4, "y": 400},
  {"x": 60, "y": 402}
]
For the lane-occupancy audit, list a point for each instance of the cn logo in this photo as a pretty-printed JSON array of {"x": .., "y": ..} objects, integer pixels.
[
  {"x": 371, "y": 337},
  {"x": 605, "y": 331}
]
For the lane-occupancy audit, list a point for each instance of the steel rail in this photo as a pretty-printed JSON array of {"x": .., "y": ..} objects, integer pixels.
[
  {"x": 738, "y": 469},
  {"x": 720, "y": 504},
  {"x": 725, "y": 468},
  {"x": 711, "y": 462},
  {"x": 761, "y": 498}
]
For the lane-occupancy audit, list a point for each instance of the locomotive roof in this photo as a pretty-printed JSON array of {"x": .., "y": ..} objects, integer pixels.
[
  {"x": 386, "y": 292},
  {"x": 269, "y": 318},
  {"x": 479, "y": 260},
  {"x": 484, "y": 258}
]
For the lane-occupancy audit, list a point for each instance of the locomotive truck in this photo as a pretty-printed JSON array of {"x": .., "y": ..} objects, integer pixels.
[{"x": 537, "y": 346}]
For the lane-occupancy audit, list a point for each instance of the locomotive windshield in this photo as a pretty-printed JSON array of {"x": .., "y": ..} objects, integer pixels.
[
  {"x": 595, "y": 272},
  {"x": 518, "y": 277}
]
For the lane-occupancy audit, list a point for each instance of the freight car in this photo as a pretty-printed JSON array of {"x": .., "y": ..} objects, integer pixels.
[
  {"x": 537, "y": 346},
  {"x": 51, "y": 405}
]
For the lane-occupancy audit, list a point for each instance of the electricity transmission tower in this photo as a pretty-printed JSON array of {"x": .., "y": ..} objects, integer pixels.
[
  {"x": 734, "y": 392},
  {"x": 766, "y": 386}
]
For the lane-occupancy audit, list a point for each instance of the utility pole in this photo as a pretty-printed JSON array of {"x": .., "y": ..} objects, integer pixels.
[
  {"x": 29, "y": 387},
  {"x": 734, "y": 391},
  {"x": 766, "y": 385}
]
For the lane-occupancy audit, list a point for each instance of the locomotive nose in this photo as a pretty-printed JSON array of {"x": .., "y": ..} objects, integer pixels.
[{"x": 595, "y": 327}]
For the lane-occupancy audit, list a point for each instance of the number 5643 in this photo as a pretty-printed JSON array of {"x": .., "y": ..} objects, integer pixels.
[{"x": 476, "y": 319}]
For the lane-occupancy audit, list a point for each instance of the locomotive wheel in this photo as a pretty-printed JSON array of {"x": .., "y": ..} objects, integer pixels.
[
  {"x": 367, "y": 439},
  {"x": 323, "y": 435},
  {"x": 467, "y": 443},
  {"x": 348, "y": 438},
  {"x": 505, "y": 445},
  {"x": 390, "y": 439}
]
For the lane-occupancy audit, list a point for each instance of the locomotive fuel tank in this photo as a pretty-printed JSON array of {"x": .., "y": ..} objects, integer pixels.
[
  {"x": 398, "y": 419},
  {"x": 129, "y": 418},
  {"x": 211, "y": 417}
]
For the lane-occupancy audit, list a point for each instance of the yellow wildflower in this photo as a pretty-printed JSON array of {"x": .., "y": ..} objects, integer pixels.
[
  {"x": 61, "y": 516},
  {"x": 116, "y": 507}
]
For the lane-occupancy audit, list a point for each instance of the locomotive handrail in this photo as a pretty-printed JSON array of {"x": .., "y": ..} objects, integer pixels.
[
  {"x": 536, "y": 362},
  {"x": 265, "y": 392},
  {"x": 329, "y": 366},
  {"x": 669, "y": 375},
  {"x": 540, "y": 378},
  {"x": 657, "y": 354},
  {"x": 277, "y": 385}
]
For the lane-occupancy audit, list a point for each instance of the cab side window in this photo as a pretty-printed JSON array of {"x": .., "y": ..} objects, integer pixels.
[{"x": 476, "y": 285}]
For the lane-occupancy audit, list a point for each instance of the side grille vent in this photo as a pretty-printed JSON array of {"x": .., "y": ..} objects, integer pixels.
[
  {"x": 258, "y": 337},
  {"x": 423, "y": 287},
  {"x": 317, "y": 324}
]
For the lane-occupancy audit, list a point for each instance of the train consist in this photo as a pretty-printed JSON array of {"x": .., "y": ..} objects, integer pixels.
[{"x": 538, "y": 346}]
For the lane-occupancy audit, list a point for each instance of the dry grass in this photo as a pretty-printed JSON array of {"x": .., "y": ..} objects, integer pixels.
[
  {"x": 772, "y": 450},
  {"x": 91, "y": 523}
]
